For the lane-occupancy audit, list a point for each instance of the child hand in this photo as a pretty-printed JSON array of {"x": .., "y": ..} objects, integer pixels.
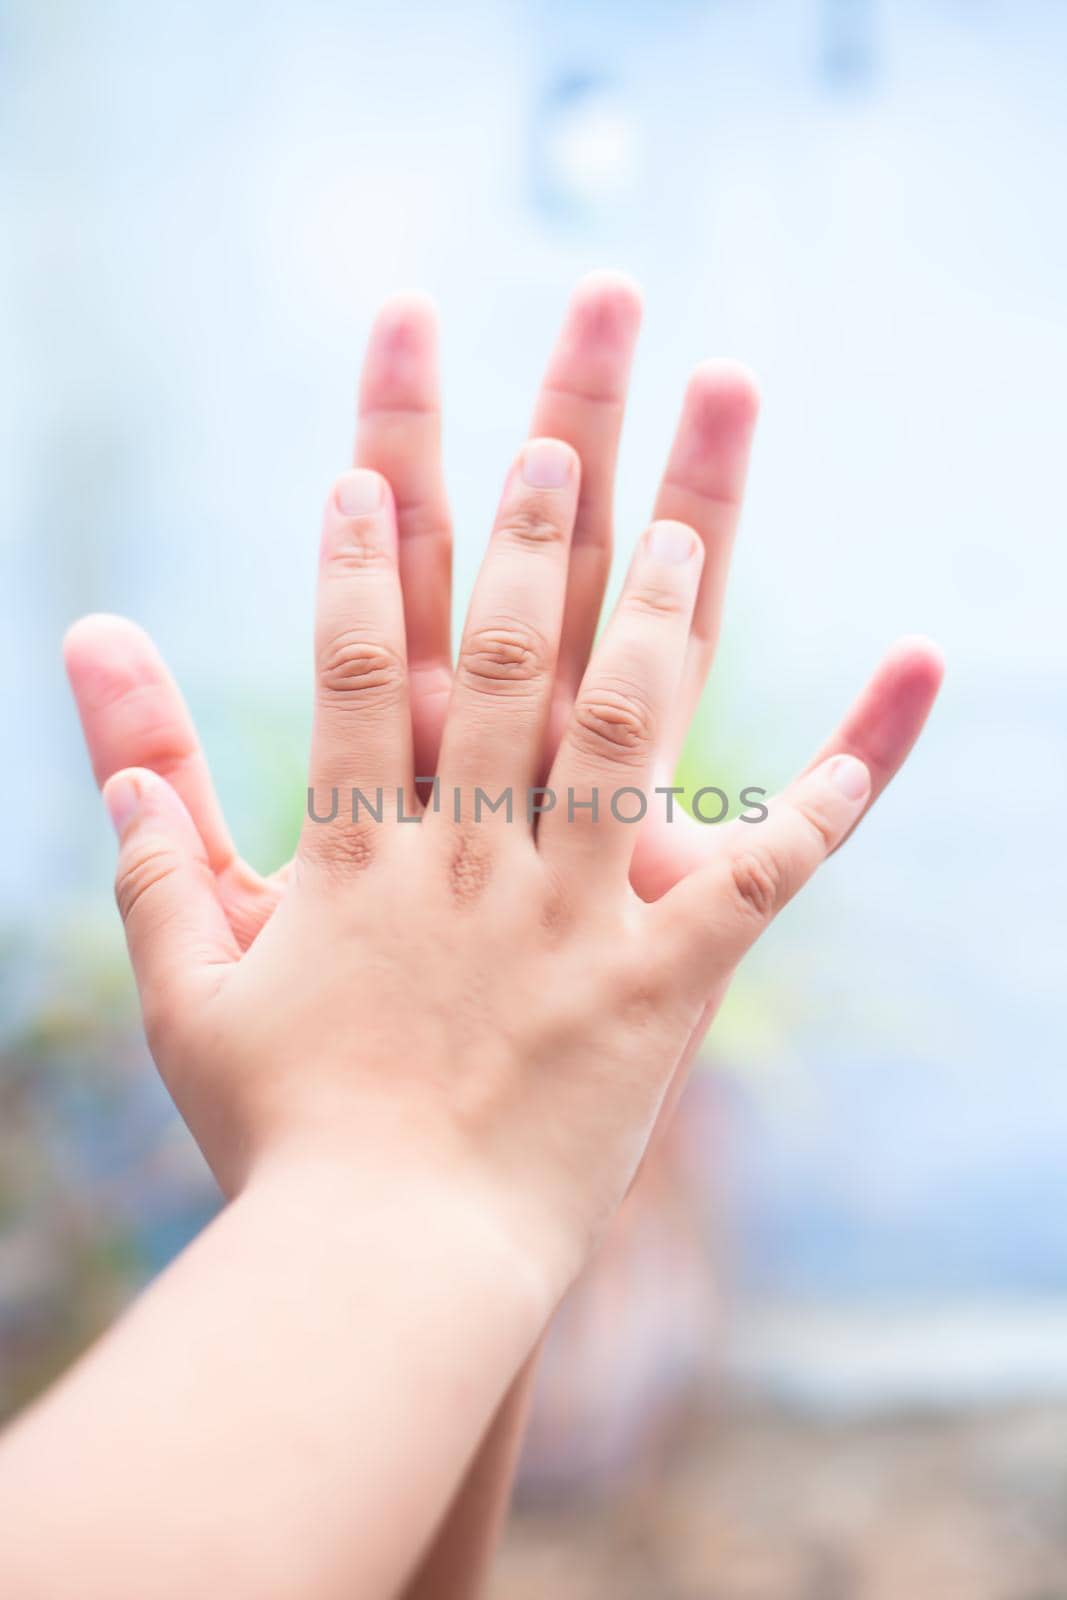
[
  {"x": 133, "y": 714},
  {"x": 566, "y": 940},
  {"x": 482, "y": 997}
]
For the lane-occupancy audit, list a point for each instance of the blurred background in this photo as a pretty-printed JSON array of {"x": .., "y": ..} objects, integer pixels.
[{"x": 826, "y": 1353}]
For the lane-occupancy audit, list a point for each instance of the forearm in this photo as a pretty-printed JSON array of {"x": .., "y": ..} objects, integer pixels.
[
  {"x": 289, "y": 1408},
  {"x": 457, "y": 1565}
]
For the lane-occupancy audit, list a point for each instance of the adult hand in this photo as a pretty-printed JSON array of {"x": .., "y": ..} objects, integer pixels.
[
  {"x": 133, "y": 714},
  {"x": 132, "y": 711}
]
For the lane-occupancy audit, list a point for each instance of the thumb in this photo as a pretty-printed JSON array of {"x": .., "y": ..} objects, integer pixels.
[
  {"x": 176, "y": 929},
  {"x": 722, "y": 908}
]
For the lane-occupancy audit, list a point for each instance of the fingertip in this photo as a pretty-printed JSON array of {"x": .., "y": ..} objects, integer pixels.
[
  {"x": 723, "y": 391},
  {"x": 359, "y": 523},
  {"x": 359, "y": 492},
  {"x": 171, "y": 911},
  {"x": 406, "y": 312},
  {"x": 610, "y": 301},
  {"x": 88, "y": 636},
  {"x": 849, "y": 777},
  {"x": 133, "y": 791},
  {"x": 121, "y": 795},
  {"x": 591, "y": 358},
  {"x": 400, "y": 366},
  {"x": 674, "y": 543},
  {"x": 919, "y": 656},
  {"x": 906, "y": 684},
  {"x": 711, "y": 447},
  {"x": 105, "y": 658},
  {"x": 547, "y": 463}
]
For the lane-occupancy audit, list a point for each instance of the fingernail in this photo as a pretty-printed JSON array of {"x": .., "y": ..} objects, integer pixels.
[
  {"x": 122, "y": 796},
  {"x": 850, "y": 777},
  {"x": 546, "y": 464},
  {"x": 358, "y": 493},
  {"x": 671, "y": 543}
]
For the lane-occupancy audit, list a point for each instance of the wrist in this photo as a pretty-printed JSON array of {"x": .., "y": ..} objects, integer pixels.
[{"x": 401, "y": 1196}]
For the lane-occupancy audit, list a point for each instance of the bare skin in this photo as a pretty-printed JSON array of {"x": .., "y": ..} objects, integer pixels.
[{"x": 133, "y": 714}]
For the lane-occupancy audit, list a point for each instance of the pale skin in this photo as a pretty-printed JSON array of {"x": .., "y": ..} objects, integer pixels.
[{"x": 320, "y": 1031}]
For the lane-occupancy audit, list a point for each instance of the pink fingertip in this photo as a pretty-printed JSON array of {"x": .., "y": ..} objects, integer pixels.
[
  {"x": 359, "y": 492},
  {"x": 918, "y": 651},
  {"x": 723, "y": 392},
  {"x": 672, "y": 543},
  {"x": 122, "y": 798},
  {"x": 400, "y": 369},
  {"x": 592, "y": 356},
  {"x": 406, "y": 318},
  {"x": 610, "y": 296},
  {"x": 89, "y": 633},
  {"x": 104, "y": 656},
  {"x": 548, "y": 464}
]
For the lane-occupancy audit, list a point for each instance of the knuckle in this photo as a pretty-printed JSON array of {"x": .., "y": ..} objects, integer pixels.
[
  {"x": 822, "y": 832},
  {"x": 614, "y": 723},
  {"x": 354, "y": 550},
  {"x": 503, "y": 656},
  {"x": 136, "y": 879},
  {"x": 657, "y": 601},
  {"x": 425, "y": 519},
  {"x": 469, "y": 869},
  {"x": 758, "y": 883},
  {"x": 532, "y": 524},
  {"x": 351, "y": 664},
  {"x": 354, "y": 544},
  {"x": 339, "y": 848}
]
